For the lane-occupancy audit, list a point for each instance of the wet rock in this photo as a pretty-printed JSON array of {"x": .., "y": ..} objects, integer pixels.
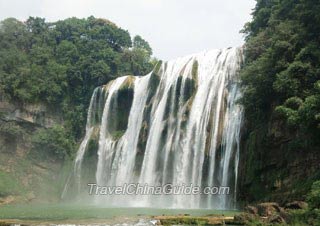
[
  {"x": 7, "y": 200},
  {"x": 276, "y": 219},
  {"x": 251, "y": 209},
  {"x": 268, "y": 209},
  {"x": 283, "y": 213},
  {"x": 268, "y": 213},
  {"x": 245, "y": 218},
  {"x": 30, "y": 196},
  {"x": 296, "y": 205},
  {"x": 36, "y": 114}
]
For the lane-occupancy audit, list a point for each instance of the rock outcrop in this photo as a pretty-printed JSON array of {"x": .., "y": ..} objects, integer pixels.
[
  {"x": 36, "y": 114},
  {"x": 274, "y": 166},
  {"x": 24, "y": 175},
  {"x": 269, "y": 213}
]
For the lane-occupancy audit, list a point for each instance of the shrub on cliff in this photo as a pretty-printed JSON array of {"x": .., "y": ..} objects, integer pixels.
[
  {"x": 53, "y": 142},
  {"x": 314, "y": 196}
]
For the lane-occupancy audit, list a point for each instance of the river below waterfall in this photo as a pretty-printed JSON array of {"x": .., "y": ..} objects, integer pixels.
[{"x": 63, "y": 214}]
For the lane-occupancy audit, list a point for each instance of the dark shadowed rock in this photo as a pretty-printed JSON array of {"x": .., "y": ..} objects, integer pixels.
[
  {"x": 297, "y": 205},
  {"x": 276, "y": 219},
  {"x": 268, "y": 209},
  {"x": 251, "y": 209},
  {"x": 245, "y": 218}
]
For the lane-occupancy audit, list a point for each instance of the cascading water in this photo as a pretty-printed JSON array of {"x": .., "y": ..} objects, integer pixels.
[
  {"x": 178, "y": 125},
  {"x": 93, "y": 117}
]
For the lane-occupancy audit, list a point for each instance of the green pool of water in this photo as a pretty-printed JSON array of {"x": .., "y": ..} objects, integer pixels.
[{"x": 81, "y": 212}]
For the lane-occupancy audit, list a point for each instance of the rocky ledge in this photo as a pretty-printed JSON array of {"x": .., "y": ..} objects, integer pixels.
[{"x": 269, "y": 213}]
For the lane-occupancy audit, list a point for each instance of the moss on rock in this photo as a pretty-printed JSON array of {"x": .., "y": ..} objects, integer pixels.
[
  {"x": 128, "y": 83},
  {"x": 116, "y": 135},
  {"x": 194, "y": 71},
  {"x": 157, "y": 68}
]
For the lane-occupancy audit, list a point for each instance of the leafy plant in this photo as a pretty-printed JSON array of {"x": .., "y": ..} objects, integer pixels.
[
  {"x": 53, "y": 142},
  {"x": 314, "y": 196}
]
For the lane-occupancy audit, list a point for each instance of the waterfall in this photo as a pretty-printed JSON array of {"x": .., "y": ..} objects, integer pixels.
[
  {"x": 93, "y": 116},
  {"x": 178, "y": 125}
]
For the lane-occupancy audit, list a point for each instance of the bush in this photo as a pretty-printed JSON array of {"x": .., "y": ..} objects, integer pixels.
[
  {"x": 11, "y": 129},
  {"x": 314, "y": 196},
  {"x": 53, "y": 142}
]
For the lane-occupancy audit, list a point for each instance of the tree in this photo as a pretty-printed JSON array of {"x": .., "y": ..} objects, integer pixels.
[
  {"x": 53, "y": 142},
  {"x": 140, "y": 43},
  {"x": 60, "y": 63},
  {"x": 282, "y": 69}
]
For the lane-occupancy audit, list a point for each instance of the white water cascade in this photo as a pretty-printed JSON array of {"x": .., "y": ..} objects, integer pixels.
[{"x": 178, "y": 125}]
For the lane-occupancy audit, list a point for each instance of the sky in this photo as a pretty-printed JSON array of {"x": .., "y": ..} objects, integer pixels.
[{"x": 173, "y": 28}]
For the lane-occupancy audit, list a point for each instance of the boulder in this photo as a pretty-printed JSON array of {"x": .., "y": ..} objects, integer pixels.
[
  {"x": 296, "y": 205},
  {"x": 276, "y": 219},
  {"x": 251, "y": 209},
  {"x": 268, "y": 209},
  {"x": 245, "y": 218},
  {"x": 7, "y": 200}
]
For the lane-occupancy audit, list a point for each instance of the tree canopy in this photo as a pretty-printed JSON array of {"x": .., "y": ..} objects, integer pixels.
[
  {"x": 281, "y": 74},
  {"x": 60, "y": 63}
]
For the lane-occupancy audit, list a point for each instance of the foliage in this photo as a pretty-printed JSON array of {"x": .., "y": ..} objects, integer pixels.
[
  {"x": 281, "y": 74},
  {"x": 314, "y": 196},
  {"x": 11, "y": 129},
  {"x": 311, "y": 215},
  {"x": 140, "y": 43},
  {"x": 136, "y": 61},
  {"x": 53, "y": 142},
  {"x": 60, "y": 63}
]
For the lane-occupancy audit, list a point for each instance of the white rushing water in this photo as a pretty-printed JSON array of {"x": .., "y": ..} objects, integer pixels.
[{"x": 182, "y": 127}]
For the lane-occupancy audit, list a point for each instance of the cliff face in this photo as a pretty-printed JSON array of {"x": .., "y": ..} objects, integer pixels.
[
  {"x": 274, "y": 166},
  {"x": 35, "y": 114},
  {"x": 280, "y": 79},
  {"x": 19, "y": 121},
  {"x": 24, "y": 175}
]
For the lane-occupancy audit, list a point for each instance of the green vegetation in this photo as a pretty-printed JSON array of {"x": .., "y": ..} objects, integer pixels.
[
  {"x": 118, "y": 134},
  {"x": 282, "y": 69},
  {"x": 311, "y": 215},
  {"x": 57, "y": 65},
  {"x": 185, "y": 221},
  {"x": 157, "y": 68},
  {"x": 60, "y": 63},
  {"x": 11, "y": 129},
  {"x": 314, "y": 196},
  {"x": 304, "y": 217},
  {"x": 281, "y": 80},
  {"x": 53, "y": 142},
  {"x": 194, "y": 71}
]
